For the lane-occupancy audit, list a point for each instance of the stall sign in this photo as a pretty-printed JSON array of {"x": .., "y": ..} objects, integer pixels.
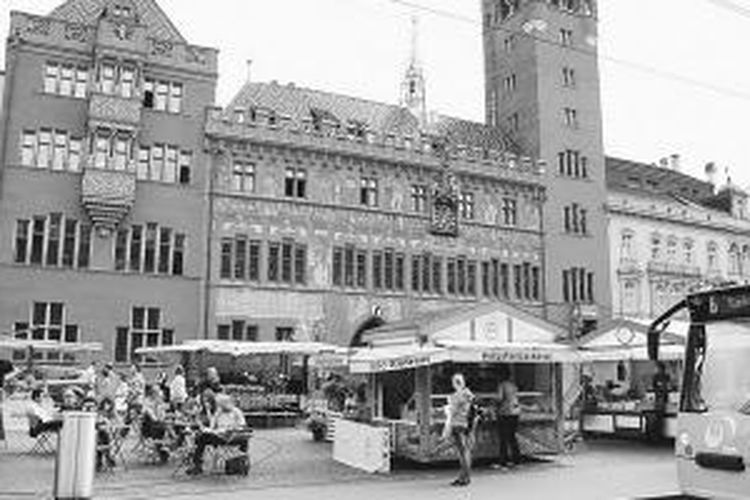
[
  {"x": 516, "y": 357},
  {"x": 401, "y": 363}
]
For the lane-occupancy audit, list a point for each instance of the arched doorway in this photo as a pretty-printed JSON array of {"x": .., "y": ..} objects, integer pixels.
[{"x": 369, "y": 324}]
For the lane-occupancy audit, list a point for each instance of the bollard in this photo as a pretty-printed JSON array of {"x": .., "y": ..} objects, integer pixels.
[{"x": 76, "y": 457}]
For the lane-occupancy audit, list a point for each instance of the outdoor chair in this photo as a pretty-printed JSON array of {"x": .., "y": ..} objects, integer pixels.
[
  {"x": 146, "y": 446},
  {"x": 223, "y": 453}
]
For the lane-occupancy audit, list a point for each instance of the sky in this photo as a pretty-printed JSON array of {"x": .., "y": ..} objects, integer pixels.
[{"x": 696, "y": 104}]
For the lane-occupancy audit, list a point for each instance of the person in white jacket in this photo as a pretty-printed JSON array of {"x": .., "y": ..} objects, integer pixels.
[{"x": 177, "y": 388}]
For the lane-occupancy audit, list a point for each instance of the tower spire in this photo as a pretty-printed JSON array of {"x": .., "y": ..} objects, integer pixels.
[{"x": 413, "y": 95}]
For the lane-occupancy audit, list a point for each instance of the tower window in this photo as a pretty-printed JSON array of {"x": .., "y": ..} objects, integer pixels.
[
  {"x": 569, "y": 77},
  {"x": 571, "y": 117},
  {"x": 513, "y": 122},
  {"x": 566, "y": 37}
]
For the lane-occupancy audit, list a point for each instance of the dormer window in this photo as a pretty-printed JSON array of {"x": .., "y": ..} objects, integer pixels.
[{"x": 122, "y": 11}]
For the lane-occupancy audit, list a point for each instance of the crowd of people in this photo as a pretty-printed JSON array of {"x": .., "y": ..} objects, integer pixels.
[{"x": 164, "y": 412}]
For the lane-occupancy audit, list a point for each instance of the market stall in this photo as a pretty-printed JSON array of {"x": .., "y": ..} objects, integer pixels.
[
  {"x": 409, "y": 365},
  {"x": 618, "y": 381},
  {"x": 269, "y": 380}
]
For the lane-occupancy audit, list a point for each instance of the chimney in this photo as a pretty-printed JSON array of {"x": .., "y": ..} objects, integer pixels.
[
  {"x": 249, "y": 63},
  {"x": 674, "y": 161}
]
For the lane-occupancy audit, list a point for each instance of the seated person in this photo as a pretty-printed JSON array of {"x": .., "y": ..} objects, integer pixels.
[
  {"x": 227, "y": 418},
  {"x": 41, "y": 419},
  {"x": 107, "y": 424},
  {"x": 154, "y": 419}
]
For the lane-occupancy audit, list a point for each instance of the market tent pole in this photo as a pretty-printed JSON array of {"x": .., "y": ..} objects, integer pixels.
[
  {"x": 558, "y": 398},
  {"x": 423, "y": 401}
]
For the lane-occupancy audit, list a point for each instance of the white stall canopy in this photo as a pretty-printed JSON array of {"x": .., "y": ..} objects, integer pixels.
[
  {"x": 234, "y": 348},
  {"x": 396, "y": 357},
  {"x": 48, "y": 345},
  {"x": 627, "y": 339}
]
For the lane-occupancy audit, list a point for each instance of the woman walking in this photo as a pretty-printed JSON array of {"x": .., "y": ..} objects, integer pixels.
[
  {"x": 457, "y": 427},
  {"x": 509, "y": 411}
]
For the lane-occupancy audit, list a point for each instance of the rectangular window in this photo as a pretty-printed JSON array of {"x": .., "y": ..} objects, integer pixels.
[
  {"x": 238, "y": 330},
  {"x": 389, "y": 266},
  {"x": 28, "y": 145},
  {"x": 569, "y": 77},
  {"x": 451, "y": 272},
  {"x": 437, "y": 275},
  {"x": 157, "y": 162},
  {"x": 349, "y": 266},
  {"x": 69, "y": 243},
  {"x": 165, "y": 249},
  {"x": 535, "y": 283},
  {"x": 186, "y": 159},
  {"x": 527, "y": 281},
  {"x": 82, "y": 82},
  {"x": 251, "y": 333},
  {"x": 175, "y": 98},
  {"x": 74, "y": 154},
  {"x": 51, "y": 73},
  {"x": 161, "y": 96},
  {"x": 136, "y": 240},
  {"x": 426, "y": 268},
  {"x": 471, "y": 278},
  {"x": 284, "y": 334},
  {"x": 170, "y": 166},
  {"x": 361, "y": 269},
  {"x": 571, "y": 117},
  {"x": 368, "y": 192},
  {"x": 179, "y": 254},
  {"x": 225, "y": 270},
  {"x": 37, "y": 240},
  {"x": 415, "y": 273},
  {"x": 121, "y": 345},
  {"x": 400, "y": 270},
  {"x": 377, "y": 270},
  {"x": 101, "y": 150},
  {"x": 121, "y": 152},
  {"x": 53, "y": 240},
  {"x": 466, "y": 206},
  {"x": 148, "y": 93},
  {"x": 222, "y": 332},
  {"x": 485, "y": 279},
  {"x": 149, "y": 255},
  {"x": 243, "y": 177},
  {"x": 22, "y": 241},
  {"x": 300, "y": 264},
  {"x": 495, "y": 279},
  {"x": 44, "y": 151},
  {"x": 107, "y": 79},
  {"x": 517, "y": 282},
  {"x": 505, "y": 280},
  {"x": 295, "y": 183},
  {"x": 121, "y": 246},
  {"x": 419, "y": 198},
  {"x": 566, "y": 37},
  {"x": 84, "y": 246},
  {"x": 590, "y": 287},
  {"x": 287, "y": 255},
  {"x": 566, "y": 286},
  {"x": 338, "y": 266},
  {"x": 254, "y": 261},
  {"x": 144, "y": 157},
  {"x": 60, "y": 151},
  {"x": 461, "y": 276},
  {"x": 510, "y": 212},
  {"x": 274, "y": 253},
  {"x": 127, "y": 79},
  {"x": 240, "y": 256}
]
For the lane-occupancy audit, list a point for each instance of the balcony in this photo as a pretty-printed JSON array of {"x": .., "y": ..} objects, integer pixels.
[
  {"x": 107, "y": 196},
  {"x": 112, "y": 111},
  {"x": 672, "y": 269}
]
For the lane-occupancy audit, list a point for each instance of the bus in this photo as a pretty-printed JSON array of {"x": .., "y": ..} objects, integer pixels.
[{"x": 713, "y": 426}]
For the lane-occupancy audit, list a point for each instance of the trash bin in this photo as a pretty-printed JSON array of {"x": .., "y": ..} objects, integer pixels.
[{"x": 76, "y": 456}]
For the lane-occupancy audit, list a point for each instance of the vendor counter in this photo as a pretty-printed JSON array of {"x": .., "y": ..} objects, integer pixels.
[{"x": 632, "y": 418}]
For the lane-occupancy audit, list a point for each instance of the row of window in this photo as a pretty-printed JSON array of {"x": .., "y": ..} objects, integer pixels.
[
  {"x": 295, "y": 186},
  {"x": 578, "y": 285},
  {"x": 47, "y": 321},
  {"x": 71, "y": 80},
  {"x": 571, "y": 163},
  {"x": 285, "y": 261},
  {"x": 151, "y": 249},
  {"x": 513, "y": 120},
  {"x": 575, "y": 219},
  {"x": 58, "y": 150},
  {"x": 386, "y": 270},
  {"x": 145, "y": 330},
  {"x": 240, "y": 330},
  {"x": 53, "y": 241}
]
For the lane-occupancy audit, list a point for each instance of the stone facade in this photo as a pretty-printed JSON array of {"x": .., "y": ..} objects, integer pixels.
[{"x": 667, "y": 240}]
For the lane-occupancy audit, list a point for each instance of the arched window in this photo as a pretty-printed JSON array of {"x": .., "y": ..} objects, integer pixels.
[
  {"x": 712, "y": 252},
  {"x": 688, "y": 247},
  {"x": 734, "y": 259},
  {"x": 672, "y": 249},
  {"x": 746, "y": 259},
  {"x": 627, "y": 245}
]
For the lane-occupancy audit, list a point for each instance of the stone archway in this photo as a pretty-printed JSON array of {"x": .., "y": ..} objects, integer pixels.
[{"x": 370, "y": 323}]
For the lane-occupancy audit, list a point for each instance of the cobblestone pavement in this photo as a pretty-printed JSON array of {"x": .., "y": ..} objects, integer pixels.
[{"x": 288, "y": 465}]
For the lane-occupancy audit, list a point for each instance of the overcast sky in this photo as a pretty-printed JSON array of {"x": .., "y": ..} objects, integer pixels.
[{"x": 360, "y": 48}]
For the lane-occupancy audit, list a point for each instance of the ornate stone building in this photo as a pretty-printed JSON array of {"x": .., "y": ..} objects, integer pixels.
[
  {"x": 102, "y": 185},
  {"x": 331, "y": 214},
  {"x": 670, "y": 234}
]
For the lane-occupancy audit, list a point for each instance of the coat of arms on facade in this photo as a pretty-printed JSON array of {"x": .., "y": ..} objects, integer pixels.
[{"x": 445, "y": 195}]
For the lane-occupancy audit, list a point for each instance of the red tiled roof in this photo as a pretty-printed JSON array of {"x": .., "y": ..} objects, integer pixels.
[
  {"x": 148, "y": 12},
  {"x": 301, "y": 103}
]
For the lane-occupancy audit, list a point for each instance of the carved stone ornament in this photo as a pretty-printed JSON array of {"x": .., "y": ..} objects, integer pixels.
[
  {"x": 445, "y": 196},
  {"x": 39, "y": 26},
  {"x": 161, "y": 48},
  {"x": 77, "y": 32},
  {"x": 123, "y": 31},
  {"x": 107, "y": 196}
]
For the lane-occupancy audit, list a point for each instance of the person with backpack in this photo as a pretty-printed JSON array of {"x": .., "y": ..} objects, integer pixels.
[
  {"x": 458, "y": 427},
  {"x": 508, "y": 414}
]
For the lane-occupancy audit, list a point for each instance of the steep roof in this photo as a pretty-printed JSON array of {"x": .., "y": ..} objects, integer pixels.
[
  {"x": 147, "y": 11},
  {"x": 301, "y": 103}
]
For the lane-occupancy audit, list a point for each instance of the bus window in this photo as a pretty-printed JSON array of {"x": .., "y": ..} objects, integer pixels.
[{"x": 717, "y": 372}]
